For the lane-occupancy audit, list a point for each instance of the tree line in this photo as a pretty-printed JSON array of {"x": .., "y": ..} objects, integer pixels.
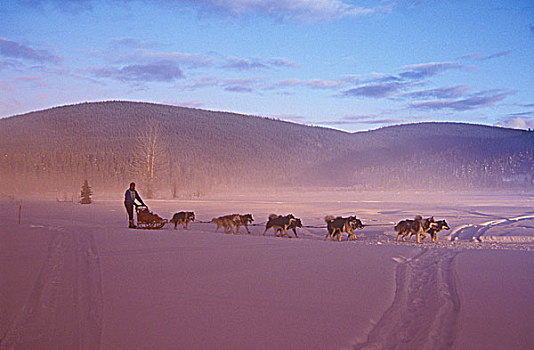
[{"x": 173, "y": 151}]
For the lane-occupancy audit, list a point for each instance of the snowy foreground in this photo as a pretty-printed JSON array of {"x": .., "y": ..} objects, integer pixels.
[{"x": 74, "y": 277}]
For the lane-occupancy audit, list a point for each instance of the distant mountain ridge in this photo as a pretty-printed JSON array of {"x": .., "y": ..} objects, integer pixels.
[{"x": 199, "y": 151}]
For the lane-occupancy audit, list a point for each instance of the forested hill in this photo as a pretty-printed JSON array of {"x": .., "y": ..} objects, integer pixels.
[{"x": 177, "y": 150}]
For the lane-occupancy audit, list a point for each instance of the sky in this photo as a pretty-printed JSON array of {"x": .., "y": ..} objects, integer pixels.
[{"x": 343, "y": 64}]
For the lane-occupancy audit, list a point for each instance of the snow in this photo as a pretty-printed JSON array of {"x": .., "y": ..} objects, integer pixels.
[{"x": 76, "y": 277}]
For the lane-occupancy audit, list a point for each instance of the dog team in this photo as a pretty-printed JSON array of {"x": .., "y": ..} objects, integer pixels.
[{"x": 336, "y": 226}]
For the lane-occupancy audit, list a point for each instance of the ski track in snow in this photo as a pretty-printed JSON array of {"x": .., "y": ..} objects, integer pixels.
[
  {"x": 65, "y": 307},
  {"x": 426, "y": 305}
]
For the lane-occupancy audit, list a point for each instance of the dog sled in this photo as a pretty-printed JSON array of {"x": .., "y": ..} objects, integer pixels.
[{"x": 148, "y": 220}]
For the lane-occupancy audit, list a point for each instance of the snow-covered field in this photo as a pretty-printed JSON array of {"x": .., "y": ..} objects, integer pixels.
[{"x": 75, "y": 277}]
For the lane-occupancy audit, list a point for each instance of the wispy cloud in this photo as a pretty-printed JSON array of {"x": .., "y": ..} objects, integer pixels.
[
  {"x": 312, "y": 83},
  {"x": 243, "y": 64},
  {"x": 131, "y": 50},
  {"x": 478, "y": 100},
  {"x": 480, "y": 57},
  {"x": 164, "y": 71},
  {"x": 141, "y": 54},
  {"x": 426, "y": 70},
  {"x": 131, "y": 43},
  {"x": 282, "y": 62},
  {"x": 13, "y": 49},
  {"x": 383, "y": 85},
  {"x": 241, "y": 85},
  {"x": 439, "y": 93},
  {"x": 380, "y": 90},
  {"x": 7, "y": 64},
  {"x": 299, "y": 10},
  {"x": 189, "y": 60}
]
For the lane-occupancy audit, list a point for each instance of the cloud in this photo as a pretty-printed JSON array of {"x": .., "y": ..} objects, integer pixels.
[
  {"x": 480, "y": 57},
  {"x": 375, "y": 90},
  {"x": 440, "y": 93},
  {"x": 8, "y": 64},
  {"x": 517, "y": 122},
  {"x": 301, "y": 10},
  {"x": 243, "y": 64},
  {"x": 382, "y": 85},
  {"x": 202, "y": 82},
  {"x": 521, "y": 114},
  {"x": 13, "y": 49},
  {"x": 240, "y": 85},
  {"x": 426, "y": 70},
  {"x": 381, "y": 78},
  {"x": 131, "y": 43},
  {"x": 313, "y": 83},
  {"x": 128, "y": 50},
  {"x": 478, "y": 100},
  {"x": 282, "y": 62},
  {"x": 190, "y": 60},
  {"x": 163, "y": 71}
]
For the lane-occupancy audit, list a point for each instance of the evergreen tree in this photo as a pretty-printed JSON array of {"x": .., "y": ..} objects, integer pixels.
[{"x": 86, "y": 193}]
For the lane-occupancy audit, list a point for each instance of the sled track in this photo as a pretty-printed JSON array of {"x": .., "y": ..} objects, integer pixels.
[
  {"x": 64, "y": 310},
  {"x": 476, "y": 232},
  {"x": 425, "y": 308}
]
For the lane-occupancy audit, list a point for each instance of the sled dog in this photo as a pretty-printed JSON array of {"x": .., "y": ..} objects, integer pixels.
[
  {"x": 226, "y": 221},
  {"x": 243, "y": 220},
  {"x": 279, "y": 223},
  {"x": 439, "y": 225},
  {"x": 292, "y": 226},
  {"x": 338, "y": 225},
  {"x": 183, "y": 217},
  {"x": 418, "y": 226}
]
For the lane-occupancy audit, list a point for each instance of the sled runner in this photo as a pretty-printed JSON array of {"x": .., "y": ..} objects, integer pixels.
[{"x": 148, "y": 220}]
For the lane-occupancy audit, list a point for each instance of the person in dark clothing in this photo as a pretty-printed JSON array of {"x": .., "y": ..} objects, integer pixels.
[{"x": 129, "y": 202}]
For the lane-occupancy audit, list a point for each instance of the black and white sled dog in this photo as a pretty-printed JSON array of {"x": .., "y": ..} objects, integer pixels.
[
  {"x": 418, "y": 226},
  {"x": 280, "y": 223},
  {"x": 337, "y": 225},
  {"x": 438, "y": 226}
]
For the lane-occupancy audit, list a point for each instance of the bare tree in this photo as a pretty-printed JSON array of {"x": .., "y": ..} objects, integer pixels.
[{"x": 151, "y": 158}]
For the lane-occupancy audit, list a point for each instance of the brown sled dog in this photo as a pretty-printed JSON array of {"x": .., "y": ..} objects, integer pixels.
[
  {"x": 279, "y": 223},
  {"x": 418, "y": 226},
  {"x": 233, "y": 220},
  {"x": 226, "y": 221},
  {"x": 338, "y": 225},
  {"x": 183, "y": 217}
]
